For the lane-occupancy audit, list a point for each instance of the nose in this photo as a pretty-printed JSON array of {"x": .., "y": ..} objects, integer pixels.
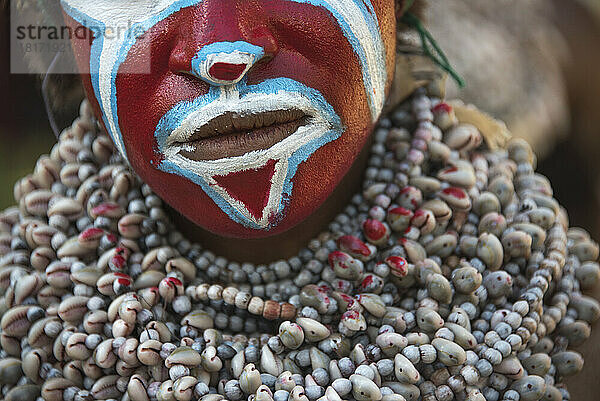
[
  {"x": 221, "y": 41},
  {"x": 225, "y": 63}
]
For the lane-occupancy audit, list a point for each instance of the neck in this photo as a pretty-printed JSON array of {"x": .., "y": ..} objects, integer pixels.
[{"x": 288, "y": 244}]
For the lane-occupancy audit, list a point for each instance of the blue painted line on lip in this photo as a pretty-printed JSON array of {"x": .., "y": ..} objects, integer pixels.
[{"x": 174, "y": 117}]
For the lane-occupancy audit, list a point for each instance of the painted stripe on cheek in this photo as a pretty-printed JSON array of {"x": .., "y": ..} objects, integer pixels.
[
  {"x": 106, "y": 56},
  {"x": 359, "y": 23}
]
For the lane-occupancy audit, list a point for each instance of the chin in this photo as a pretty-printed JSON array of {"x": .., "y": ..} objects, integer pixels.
[{"x": 244, "y": 208}]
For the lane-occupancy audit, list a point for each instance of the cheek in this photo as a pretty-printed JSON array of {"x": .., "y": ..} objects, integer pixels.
[
  {"x": 144, "y": 98},
  {"x": 315, "y": 52}
]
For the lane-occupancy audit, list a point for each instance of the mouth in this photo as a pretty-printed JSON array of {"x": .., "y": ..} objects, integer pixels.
[
  {"x": 243, "y": 145},
  {"x": 235, "y": 134}
]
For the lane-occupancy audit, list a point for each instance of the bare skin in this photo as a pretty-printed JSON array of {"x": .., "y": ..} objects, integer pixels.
[{"x": 282, "y": 246}]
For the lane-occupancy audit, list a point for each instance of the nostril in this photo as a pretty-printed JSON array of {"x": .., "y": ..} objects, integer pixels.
[
  {"x": 227, "y": 71},
  {"x": 179, "y": 60},
  {"x": 225, "y": 63}
]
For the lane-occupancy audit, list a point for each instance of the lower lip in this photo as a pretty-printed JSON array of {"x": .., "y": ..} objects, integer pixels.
[{"x": 238, "y": 144}]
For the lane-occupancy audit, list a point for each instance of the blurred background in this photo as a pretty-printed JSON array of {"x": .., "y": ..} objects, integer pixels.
[{"x": 534, "y": 64}]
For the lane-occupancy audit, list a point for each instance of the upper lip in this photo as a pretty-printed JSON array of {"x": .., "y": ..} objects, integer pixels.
[
  {"x": 213, "y": 130},
  {"x": 237, "y": 133}
]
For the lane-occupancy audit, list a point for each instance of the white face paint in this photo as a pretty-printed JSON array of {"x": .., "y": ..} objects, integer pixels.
[{"x": 358, "y": 22}]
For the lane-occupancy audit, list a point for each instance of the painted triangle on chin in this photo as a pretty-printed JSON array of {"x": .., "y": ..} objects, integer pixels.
[{"x": 250, "y": 187}]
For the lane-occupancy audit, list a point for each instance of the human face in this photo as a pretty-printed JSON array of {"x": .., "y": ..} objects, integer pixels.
[{"x": 247, "y": 113}]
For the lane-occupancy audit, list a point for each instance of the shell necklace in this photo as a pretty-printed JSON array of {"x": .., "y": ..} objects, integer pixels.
[{"x": 453, "y": 275}]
